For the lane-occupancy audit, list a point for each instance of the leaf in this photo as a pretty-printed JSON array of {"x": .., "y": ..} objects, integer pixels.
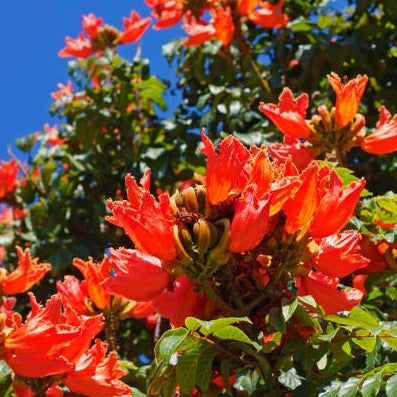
[
  {"x": 349, "y": 389},
  {"x": 276, "y": 320},
  {"x": 209, "y": 327},
  {"x": 5, "y": 371},
  {"x": 233, "y": 333},
  {"x": 357, "y": 318},
  {"x": 169, "y": 343},
  {"x": 225, "y": 373},
  {"x": 391, "y": 386},
  {"x": 367, "y": 343},
  {"x": 371, "y": 385},
  {"x": 289, "y": 309},
  {"x": 290, "y": 379},
  {"x": 247, "y": 380}
]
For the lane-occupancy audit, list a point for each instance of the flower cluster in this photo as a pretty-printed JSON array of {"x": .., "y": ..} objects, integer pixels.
[
  {"x": 103, "y": 37},
  {"x": 332, "y": 132},
  {"x": 225, "y": 16}
]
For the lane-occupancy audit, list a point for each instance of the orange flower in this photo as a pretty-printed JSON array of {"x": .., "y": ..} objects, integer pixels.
[
  {"x": 339, "y": 255},
  {"x": 8, "y": 177},
  {"x": 373, "y": 252},
  {"x": 96, "y": 375},
  {"x": 269, "y": 15},
  {"x": 223, "y": 24},
  {"x": 166, "y": 12},
  {"x": 224, "y": 167},
  {"x": 28, "y": 273},
  {"x": 137, "y": 276},
  {"x": 198, "y": 31},
  {"x": 348, "y": 96},
  {"x": 325, "y": 292},
  {"x": 49, "y": 341},
  {"x": 289, "y": 115},
  {"x": 91, "y": 24},
  {"x": 73, "y": 294},
  {"x": 63, "y": 91},
  {"x": 336, "y": 205},
  {"x": 134, "y": 27},
  {"x": 245, "y": 7},
  {"x": 250, "y": 220},
  {"x": 95, "y": 275},
  {"x": 146, "y": 221},
  {"x": 384, "y": 139},
  {"x": 79, "y": 48}
]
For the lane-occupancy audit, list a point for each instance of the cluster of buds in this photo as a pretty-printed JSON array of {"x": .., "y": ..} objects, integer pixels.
[
  {"x": 225, "y": 16},
  {"x": 331, "y": 133},
  {"x": 231, "y": 244},
  {"x": 102, "y": 37}
]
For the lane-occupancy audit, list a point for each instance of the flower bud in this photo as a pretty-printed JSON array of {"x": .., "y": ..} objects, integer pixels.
[
  {"x": 220, "y": 253},
  {"x": 201, "y": 195},
  {"x": 190, "y": 200},
  {"x": 185, "y": 238},
  {"x": 325, "y": 117},
  {"x": 183, "y": 257},
  {"x": 206, "y": 235}
]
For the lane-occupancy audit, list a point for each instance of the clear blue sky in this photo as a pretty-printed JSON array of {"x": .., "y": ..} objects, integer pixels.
[{"x": 32, "y": 33}]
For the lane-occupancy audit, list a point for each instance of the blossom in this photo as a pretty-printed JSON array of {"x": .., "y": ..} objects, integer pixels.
[
  {"x": 95, "y": 274},
  {"x": 134, "y": 27},
  {"x": 336, "y": 205},
  {"x": 146, "y": 221},
  {"x": 79, "y": 48},
  {"x": 245, "y": 7},
  {"x": 224, "y": 167},
  {"x": 374, "y": 253},
  {"x": 137, "y": 276},
  {"x": 348, "y": 96},
  {"x": 52, "y": 135},
  {"x": 384, "y": 139},
  {"x": 269, "y": 15},
  {"x": 8, "y": 177},
  {"x": 63, "y": 91},
  {"x": 91, "y": 24},
  {"x": 183, "y": 301},
  {"x": 28, "y": 272},
  {"x": 49, "y": 341},
  {"x": 73, "y": 294},
  {"x": 324, "y": 290},
  {"x": 250, "y": 221},
  {"x": 166, "y": 12},
  {"x": 10, "y": 214},
  {"x": 97, "y": 375},
  {"x": 339, "y": 254},
  {"x": 198, "y": 31},
  {"x": 223, "y": 24},
  {"x": 289, "y": 115}
]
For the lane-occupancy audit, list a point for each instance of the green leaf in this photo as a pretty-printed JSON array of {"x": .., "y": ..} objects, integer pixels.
[
  {"x": 5, "y": 371},
  {"x": 391, "y": 386},
  {"x": 349, "y": 389},
  {"x": 232, "y": 333},
  {"x": 357, "y": 318},
  {"x": 290, "y": 379},
  {"x": 247, "y": 380},
  {"x": 367, "y": 343},
  {"x": 289, "y": 309},
  {"x": 209, "y": 327},
  {"x": 169, "y": 343},
  {"x": 331, "y": 391},
  {"x": 276, "y": 320},
  {"x": 371, "y": 385}
]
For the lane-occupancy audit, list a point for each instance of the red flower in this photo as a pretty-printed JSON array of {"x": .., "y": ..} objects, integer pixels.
[
  {"x": 250, "y": 221},
  {"x": 166, "y": 12},
  {"x": 10, "y": 214},
  {"x": 269, "y": 15},
  {"x": 348, "y": 96},
  {"x": 372, "y": 251},
  {"x": 359, "y": 283},
  {"x": 96, "y": 375},
  {"x": 52, "y": 135},
  {"x": 8, "y": 177},
  {"x": 336, "y": 205},
  {"x": 339, "y": 254},
  {"x": 95, "y": 275},
  {"x": 325, "y": 292},
  {"x": 79, "y": 48},
  {"x": 2, "y": 253},
  {"x": 146, "y": 221},
  {"x": 48, "y": 341},
  {"x": 27, "y": 274},
  {"x": 289, "y": 115},
  {"x": 245, "y": 7},
  {"x": 134, "y": 27},
  {"x": 137, "y": 276},
  {"x": 224, "y": 167},
  {"x": 384, "y": 139},
  {"x": 198, "y": 31},
  {"x": 63, "y": 91},
  {"x": 91, "y": 24},
  {"x": 73, "y": 294},
  {"x": 183, "y": 301},
  {"x": 224, "y": 26},
  {"x": 292, "y": 147}
]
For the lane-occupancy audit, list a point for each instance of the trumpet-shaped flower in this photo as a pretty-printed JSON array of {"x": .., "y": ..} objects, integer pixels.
[
  {"x": 384, "y": 139},
  {"x": 324, "y": 290},
  {"x": 245, "y": 7},
  {"x": 73, "y": 294},
  {"x": 339, "y": 255},
  {"x": 269, "y": 15},
  {"x": 198, "y": 31},
  {"x": 134, "y": 27},
  {"x": 137, "y": 276},
  {"x": 8, "y": 177},
  {"x": 79, "y": 48},
  {"x": 289, "y": 115},
  {"x": 166, "y": 12},
  {"x": 223, "y": 24},
  {"x": 348, "y": 96},
  {"x": 91, "y": 24},
  {"x": 28, "y": 272}
]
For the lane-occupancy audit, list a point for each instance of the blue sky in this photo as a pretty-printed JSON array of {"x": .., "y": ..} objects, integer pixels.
[{"x": 32, "y": 33}]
